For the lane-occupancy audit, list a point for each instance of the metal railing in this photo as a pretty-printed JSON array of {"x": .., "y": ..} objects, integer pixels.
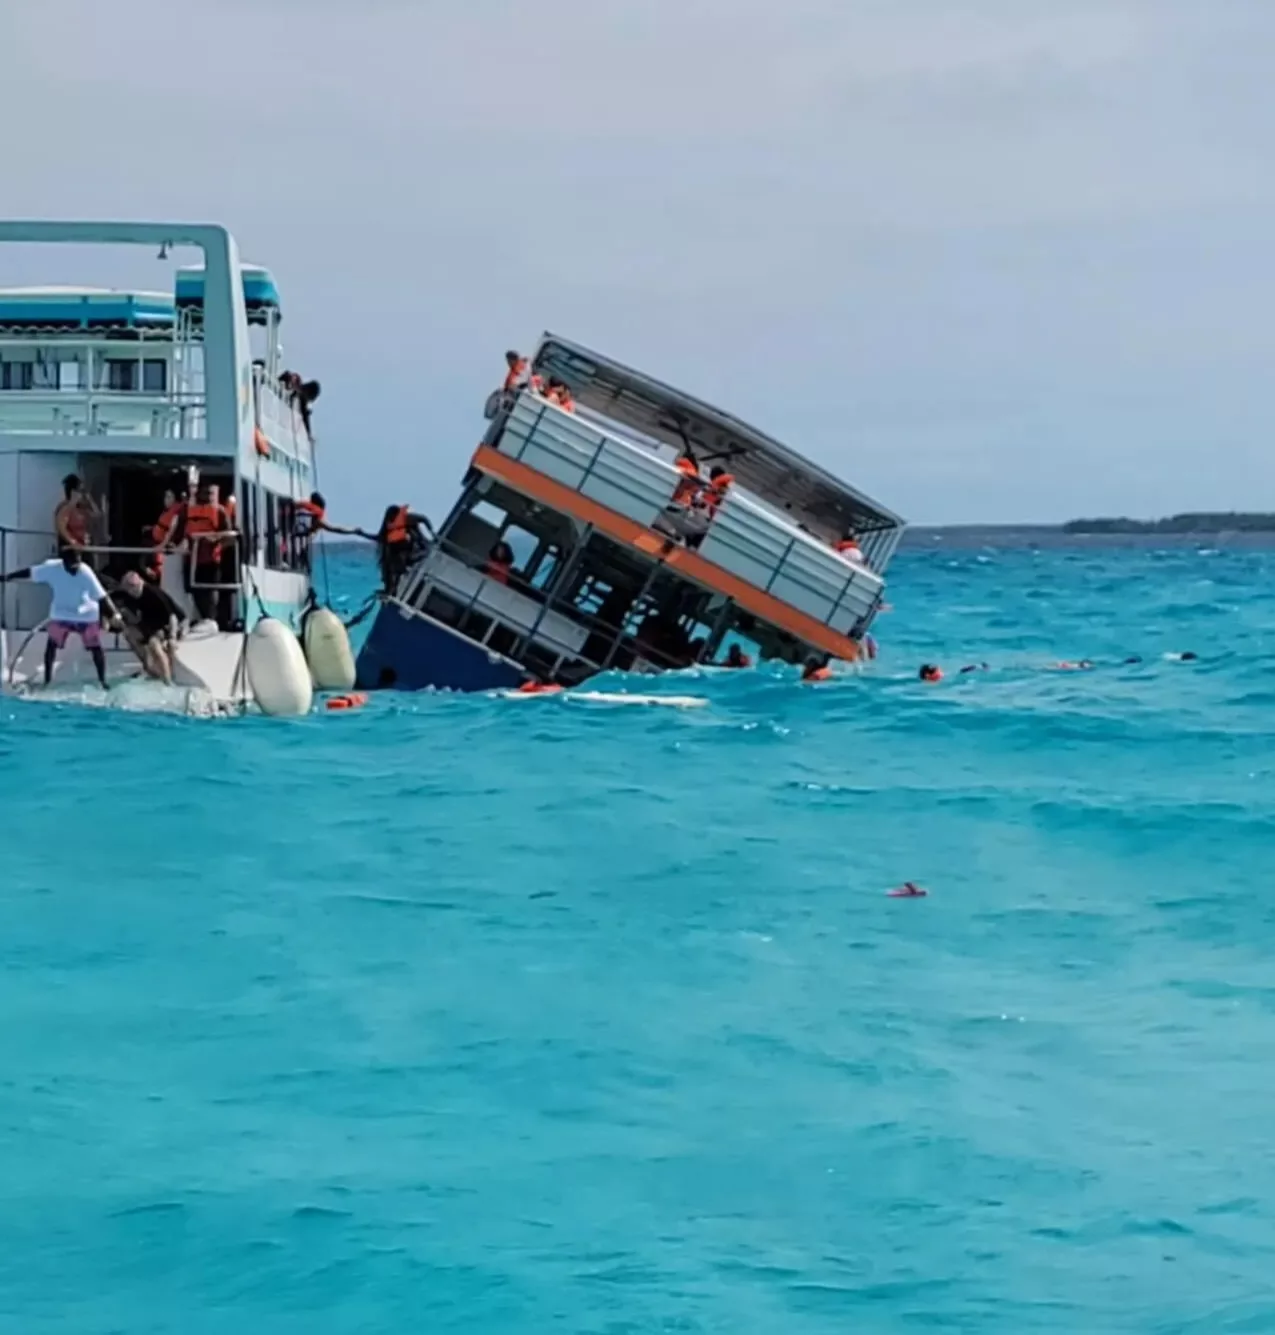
[
  {"x": 11, "y": 539},
  {"x": 802, "y": 552}
]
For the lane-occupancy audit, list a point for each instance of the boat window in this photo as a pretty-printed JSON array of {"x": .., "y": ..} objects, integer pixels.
[
  {"x": 69, "y": 375},
  {"x": 154, "y": 375},
  {"x": 121, "y": 374},
  {"x": 522, "y": 543},
  {"x": 546, "y": 567},
  {"x": 17, "y": 375},
  {"x": 488, "y": 513},
  {"x": 273, "y": 545}
]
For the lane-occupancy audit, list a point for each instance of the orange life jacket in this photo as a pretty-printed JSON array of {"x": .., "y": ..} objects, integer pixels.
[
  {"x": 163, "y": 526},
  {"x": 565, "y": 401},
  {"x": 817, "y": 674},
  {"x": 717, "y": 489},
  {"x": 396, "y": 531},
  {"x": 201, "y": 519},
  {"x": 308, "y": 518},
  {"x": 848, "y": 547},
  {"x": 691, "y": 483},
  {"x": 498, "y": 570},
  {"x": 741, "y": 660}
]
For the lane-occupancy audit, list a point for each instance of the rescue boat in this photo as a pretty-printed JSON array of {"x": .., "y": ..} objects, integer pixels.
[
  {"x": 137, "y": 393},
  {"x": 648, "y": 531}
]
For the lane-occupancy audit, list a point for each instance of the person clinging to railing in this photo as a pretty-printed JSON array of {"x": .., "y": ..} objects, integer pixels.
[
  {"x": 78, "y": 603},
  {"x": 402, "y": 536},
  {"x": 719, "y": 483},
  {"x": 849, "y": 550},
  {"x": 204, "y": 526}
]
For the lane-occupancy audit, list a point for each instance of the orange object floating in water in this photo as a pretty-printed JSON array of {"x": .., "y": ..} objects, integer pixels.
[
  {"x": 538, "y": 688},
  {"x": 356, "y": 701}
]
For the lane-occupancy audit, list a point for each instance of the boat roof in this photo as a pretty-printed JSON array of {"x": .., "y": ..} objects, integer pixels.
[
  {"x": 260, "y": 291},
  {"x": 766, "y": 467},
  {"x": 83, "y": 307}
]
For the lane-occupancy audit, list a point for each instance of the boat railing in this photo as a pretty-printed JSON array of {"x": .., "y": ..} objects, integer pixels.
[
  {"x": 745, "y": 537},
  {"x": 102, "y": 412},
  {"x": 562, "y": 631},
  {"x": 279, "y": 417},
  {"x": 21, "y": 548}
]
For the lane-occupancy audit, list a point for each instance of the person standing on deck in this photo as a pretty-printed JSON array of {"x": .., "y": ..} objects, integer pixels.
[
  {"x": 74, "y": 513},
  {"x": 201, "y": 526},
  {"x": 78, "y": 600}
]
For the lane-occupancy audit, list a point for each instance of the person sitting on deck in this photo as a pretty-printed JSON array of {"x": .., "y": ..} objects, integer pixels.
[
  {"x": 76, "y": 609},
  {"x": 559, "y": 393},
  {"x": 154, "y": 623},
  {"x": 849, "y": 550},
  {"x": 500, "y": 563},
  {"x": 402, "y": 535},
  {"x": 74, "y": 513}
]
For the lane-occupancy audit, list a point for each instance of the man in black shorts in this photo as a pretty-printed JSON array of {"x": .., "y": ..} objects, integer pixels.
[{"x": 153, "y": 621}]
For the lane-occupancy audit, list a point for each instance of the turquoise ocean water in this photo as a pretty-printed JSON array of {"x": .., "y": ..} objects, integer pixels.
[{"x": 460, "y": 1014}]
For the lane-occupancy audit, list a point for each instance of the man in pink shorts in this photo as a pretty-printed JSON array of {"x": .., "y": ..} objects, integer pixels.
[{"x": 78, "y": 598}]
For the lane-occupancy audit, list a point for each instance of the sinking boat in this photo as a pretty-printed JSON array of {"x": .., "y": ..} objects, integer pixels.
[{"x": 609, "y": 521}]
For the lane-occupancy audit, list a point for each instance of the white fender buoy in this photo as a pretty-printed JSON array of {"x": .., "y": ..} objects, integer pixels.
[
  {"x": 277, "y": 670},
  {"x": 327, "y": 650}
]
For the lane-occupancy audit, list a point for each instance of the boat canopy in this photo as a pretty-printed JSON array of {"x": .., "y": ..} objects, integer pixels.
[
  {"x": 260, "y": 292},
  {"x": 83, "y": 308},
  {"x": 770, "y": 470}
]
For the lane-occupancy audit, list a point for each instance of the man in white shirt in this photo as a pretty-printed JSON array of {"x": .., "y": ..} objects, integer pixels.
[{"x": 78, "y": 597}]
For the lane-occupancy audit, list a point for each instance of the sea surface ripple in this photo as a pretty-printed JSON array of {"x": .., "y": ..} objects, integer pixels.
[{"x": 463, "y": 1014}]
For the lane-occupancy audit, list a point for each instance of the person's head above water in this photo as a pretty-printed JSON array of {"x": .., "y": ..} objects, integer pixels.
[
  {"x": 1190, "y": 656},
  {"x": 70, "y": 559},
  {"x": 930, "y": 672}
]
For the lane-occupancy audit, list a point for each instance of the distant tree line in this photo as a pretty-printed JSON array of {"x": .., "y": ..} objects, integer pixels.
[{"x": 1204, "y": 522}]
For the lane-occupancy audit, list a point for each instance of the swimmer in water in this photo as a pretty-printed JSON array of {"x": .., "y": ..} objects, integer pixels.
[
  {"x": 816, "y": 669},
  {"x": 930, "y": 672},
  {"x": 974, "y": 667}
]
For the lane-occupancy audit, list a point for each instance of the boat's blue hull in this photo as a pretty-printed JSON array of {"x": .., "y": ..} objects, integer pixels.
[{"x": 413, "y": 653}]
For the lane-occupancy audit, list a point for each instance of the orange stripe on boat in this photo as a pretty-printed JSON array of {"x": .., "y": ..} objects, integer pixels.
[{"x": 747, "y": 596}]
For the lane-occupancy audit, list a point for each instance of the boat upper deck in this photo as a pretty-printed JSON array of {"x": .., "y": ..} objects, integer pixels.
[
  {"x": 116, "y": 369},
  {"x": 641, "y": 408}
]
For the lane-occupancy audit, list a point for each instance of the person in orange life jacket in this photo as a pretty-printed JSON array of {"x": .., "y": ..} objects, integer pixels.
[
  {"x": 559, "y": 393},
  {"x": 199, "y": 526},
  {"x": 161, "y": 531},
  {"x": 500, "y": 563},
  {"x": 737, "y": 658},
  {"x": 74, "y": 512},
  {"x": 816, "y": 669},
  {"x": 400, "y": 537},
  {"x": 848, "y": 548},
  {"x": 719, "y": 483},
  {"x": 691, "y": 483},
  {"x": 516, "y": 375}
]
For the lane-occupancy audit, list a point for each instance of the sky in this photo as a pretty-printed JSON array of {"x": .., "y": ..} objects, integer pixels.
[{"x": 988, "y": 260}]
